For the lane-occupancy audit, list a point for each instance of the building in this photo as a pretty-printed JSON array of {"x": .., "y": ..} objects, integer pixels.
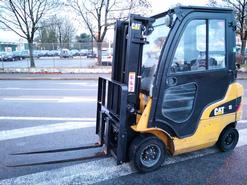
[
  {"x": 9, "y": 41},
  {"x": 8, "y": 46}
]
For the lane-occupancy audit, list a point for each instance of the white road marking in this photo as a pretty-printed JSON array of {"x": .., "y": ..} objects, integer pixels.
[
  {"x": 10, "y": 88},
  {"x": 46, "y": 89},
  {"x": 44, "y": 129},
  {"x": 242, "y": 121},
  {"x": 80, "y": 84},
  {"x": 46, "y": 118},
  {"x": 44, "y": 99},
  {"x": 75, "y": 99},
  {"x": 100, "y": 170},
  {"x": 242, "y": 137},
  {"x": 30, "y": 99}
]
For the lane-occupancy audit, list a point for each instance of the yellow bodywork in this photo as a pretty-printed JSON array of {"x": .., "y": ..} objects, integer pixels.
[{"x": 209, "y": 128}]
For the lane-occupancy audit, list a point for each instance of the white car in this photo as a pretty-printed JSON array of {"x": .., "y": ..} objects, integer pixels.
[
  {"x": 1, "y": 56},
  {"x": 106, "y": 58},
  {"x": 65, "y": 53}
]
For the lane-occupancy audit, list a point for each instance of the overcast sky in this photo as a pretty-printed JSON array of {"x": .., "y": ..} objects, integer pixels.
[{"x": 158, "y": 6}]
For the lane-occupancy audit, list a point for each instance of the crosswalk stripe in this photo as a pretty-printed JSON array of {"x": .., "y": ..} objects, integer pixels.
[
  {"x": 242, "y": 121},
  {"x": 44, "y": 129},
  {"x": 45, "y": 89},
  {"x": 45, "y": 118},
  {"x": 46, "y": 99},
  {"x": 100, "y": 170}
]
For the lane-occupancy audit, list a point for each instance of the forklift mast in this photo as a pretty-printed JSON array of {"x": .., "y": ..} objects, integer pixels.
[{"x": 118, "y": 98}]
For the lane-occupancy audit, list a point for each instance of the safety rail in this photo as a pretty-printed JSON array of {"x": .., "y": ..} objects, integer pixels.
[{"x": 111, "y": 94}]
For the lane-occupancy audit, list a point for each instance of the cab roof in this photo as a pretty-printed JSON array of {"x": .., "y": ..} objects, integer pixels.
[
  {"x": 205, "y": 8},
  {"x": 187, "y": 9}
]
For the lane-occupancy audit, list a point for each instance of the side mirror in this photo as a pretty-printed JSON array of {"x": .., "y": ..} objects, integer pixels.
[{"x": 168, "y": 19}]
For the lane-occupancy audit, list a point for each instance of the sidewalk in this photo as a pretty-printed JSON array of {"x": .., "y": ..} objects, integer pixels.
[
  {"x": 58, "y": 76},
  {"x": 51, "y": 70},
  {"x": 92, "y": 73}
]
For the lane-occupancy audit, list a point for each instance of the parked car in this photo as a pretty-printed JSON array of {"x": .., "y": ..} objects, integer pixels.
[
  {"x": 65, "y": 53},
  {"x": 25, "y": 54},
  {"x": 1, "y": 56},
  {"x": 43, "y": 53},
  {"x": 106, "y": 58},
  {"x": 74, "y": 53},
  {"x": 83, "y": 52},
  {"x": 17, "y": 55},
  {"x": 53, "y": 53},
  {"x": 37, "y": 53},
  {"x": 56, "y": 52},
  {"x": 91, "y": 54},
  {"x": 8, "y": 57}
]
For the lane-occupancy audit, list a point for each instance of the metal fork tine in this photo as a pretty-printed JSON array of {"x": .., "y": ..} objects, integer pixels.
[
  {"x": 96, "y": 155},
  {"x": 95, "y": 145}
]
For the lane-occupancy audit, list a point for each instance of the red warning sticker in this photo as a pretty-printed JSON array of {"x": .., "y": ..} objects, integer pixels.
[{"x": 132, "y": 79}]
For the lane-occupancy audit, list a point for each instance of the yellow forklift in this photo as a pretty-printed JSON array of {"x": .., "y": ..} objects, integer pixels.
[{"x": 173, "y": 88}]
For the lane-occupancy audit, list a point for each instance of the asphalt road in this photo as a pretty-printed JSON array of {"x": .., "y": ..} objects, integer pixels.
[
  {"x": 40, "y": 115},
  {"x": 49, "y": 103}
]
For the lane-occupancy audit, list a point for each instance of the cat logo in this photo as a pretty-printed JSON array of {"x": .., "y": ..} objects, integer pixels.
[
  {"x": 136, "y": 26},
  {"x": 219, "y": 111}
]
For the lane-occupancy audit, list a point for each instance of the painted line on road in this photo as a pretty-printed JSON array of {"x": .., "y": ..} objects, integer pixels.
[
  {"x": 75, "y": 99},
  {"x": 242, "y": 121},
  {"x": 44, "y": 99},
  {"x": 44, "y": 129},
  {"x": 80, "y": 84},
  {"x": 100, "y": 170},
  {"x": 45, "y": 89},
  {"x": 46, "y": 118}
]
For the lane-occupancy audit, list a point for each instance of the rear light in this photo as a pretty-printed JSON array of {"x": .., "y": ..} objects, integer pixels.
[{"x": 238, "y": 103}]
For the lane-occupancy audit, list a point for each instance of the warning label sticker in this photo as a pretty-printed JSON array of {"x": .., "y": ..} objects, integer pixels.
[{"x": 131, "y": 85}]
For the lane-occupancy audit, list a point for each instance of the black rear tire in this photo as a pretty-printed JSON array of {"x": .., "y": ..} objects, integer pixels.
[
  {"x": 147, "y": 153},
  {"x": 228, "y": 139}
]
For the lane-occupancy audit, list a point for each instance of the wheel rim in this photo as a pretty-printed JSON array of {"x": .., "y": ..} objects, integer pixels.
[
  {"x": 150, "y": 155},
  {"x": 229, "y": 139}
]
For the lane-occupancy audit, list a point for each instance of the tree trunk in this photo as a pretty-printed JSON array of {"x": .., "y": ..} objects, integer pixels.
[
  {"x": 30, "y": 47},
  {"x": 99, "y": 49},
  {"x": 243, "y": 45}
]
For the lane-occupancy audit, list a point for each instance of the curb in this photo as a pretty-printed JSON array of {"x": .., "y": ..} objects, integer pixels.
[{"x": 56, "y": 70}]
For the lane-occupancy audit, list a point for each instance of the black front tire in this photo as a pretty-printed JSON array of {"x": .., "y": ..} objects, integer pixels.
[
  {"x": 228, "y": 139},
  {"x": 147, "y": 153}
]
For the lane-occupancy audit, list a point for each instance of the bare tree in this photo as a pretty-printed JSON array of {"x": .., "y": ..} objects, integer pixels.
[
  {"x": 66, "y": 32},
  {"x": 58, "y": 30},
  {"x": 100, "y": 15},
  {"x": 212, "y": 3},
  {"x": 240, "y": 9},
  {"x": 23, "y": 18}
]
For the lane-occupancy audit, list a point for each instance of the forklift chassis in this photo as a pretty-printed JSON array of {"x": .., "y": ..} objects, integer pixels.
[{"x": 190, "y": 105}]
